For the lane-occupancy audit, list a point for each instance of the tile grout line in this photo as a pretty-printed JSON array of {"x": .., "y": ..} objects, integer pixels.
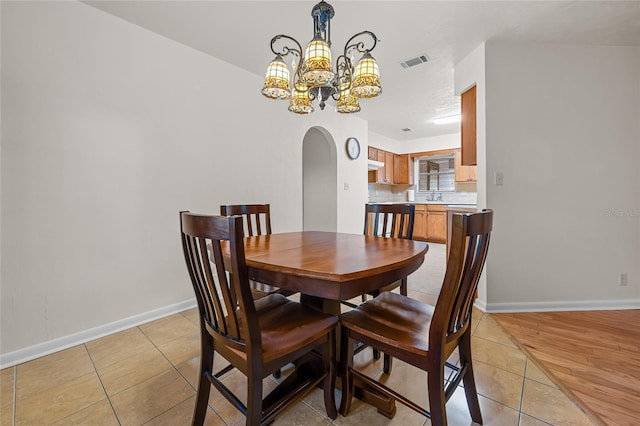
[
  {"x": 102, "y": 384},
  {"x": 179, "y": 373}
]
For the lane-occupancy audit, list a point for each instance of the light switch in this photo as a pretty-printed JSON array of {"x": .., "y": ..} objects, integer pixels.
[{"x": 498, "y": 178}]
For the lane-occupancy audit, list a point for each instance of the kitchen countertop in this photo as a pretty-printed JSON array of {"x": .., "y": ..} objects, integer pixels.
[
  {"x": 459, "y": 205},
  {"x": 462, "y": 206}
]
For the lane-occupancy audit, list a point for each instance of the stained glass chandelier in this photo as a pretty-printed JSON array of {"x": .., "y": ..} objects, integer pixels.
[{"x": 313, "y": 75}]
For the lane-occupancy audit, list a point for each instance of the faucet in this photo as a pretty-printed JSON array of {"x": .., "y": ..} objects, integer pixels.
[{"x": 434, "y": 197}]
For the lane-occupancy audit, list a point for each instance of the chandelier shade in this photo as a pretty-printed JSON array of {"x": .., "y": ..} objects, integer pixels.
[
  {"x": 316, "y": 69},
  {"x": 300, "y": 101},
  {"x": 313, "y": 76},
  {"x": 366, "y": 80},
  {"x": 347, "y": 102},
  {"x": 276, "y": 82}
]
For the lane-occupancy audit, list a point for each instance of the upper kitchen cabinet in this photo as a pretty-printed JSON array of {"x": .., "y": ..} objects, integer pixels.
[
  {"x": 387, "y": 174},
  {"x": 402, "y": 169},
  {"x": 373, "y": 153},
  {"x": 464, "y": 173},
  {"x": 383, "y": 174},
  {"x": 468, "y": 127},
  {"x": 388, "y": 167}
]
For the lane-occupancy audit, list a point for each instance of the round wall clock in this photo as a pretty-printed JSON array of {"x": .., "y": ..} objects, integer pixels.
[{"x": 353, "y": 148}]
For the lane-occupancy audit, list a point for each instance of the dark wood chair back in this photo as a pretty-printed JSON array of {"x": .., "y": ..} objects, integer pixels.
[
  {"x": 389, "y": 220},
  {"x": 422, "y": 335},
  {"x": 469, "y": 245},
  {"x": 257, "y": 221},
  {"x": 258, "y": 338},
  {"x": 224, "y": 300},
  {"x": 257, "y": 217}
]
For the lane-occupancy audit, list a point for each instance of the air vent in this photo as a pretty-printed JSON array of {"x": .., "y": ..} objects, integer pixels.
[{"x": 415, "y": 61}]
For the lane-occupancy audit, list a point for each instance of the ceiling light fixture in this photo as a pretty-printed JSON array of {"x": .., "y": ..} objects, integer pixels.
[
  {"x": 447, "y": 120},
  {"x": 313, "y": 76}
]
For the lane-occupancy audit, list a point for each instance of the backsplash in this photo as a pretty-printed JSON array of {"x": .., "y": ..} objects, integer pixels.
[{"x": 398, "y": 193}]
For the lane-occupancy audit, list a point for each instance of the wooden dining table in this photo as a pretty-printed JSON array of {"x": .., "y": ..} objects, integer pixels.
[{"x": 327, "y": 267}]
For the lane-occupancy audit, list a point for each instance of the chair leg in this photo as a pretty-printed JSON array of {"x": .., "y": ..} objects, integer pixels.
[
  {"x": 376, "y": 353},
  {"x": 469, "y": 380},
  {"x": 329, "y": 361},
  {"x": 346, "y": 362},
  {"x": 435, "y": 384},
  {"x": 204, "y": 386},
  {"x": 254, "y": 399}
]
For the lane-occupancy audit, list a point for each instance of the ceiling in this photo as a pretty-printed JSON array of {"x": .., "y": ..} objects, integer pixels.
[{"x": 239, "y": 32}]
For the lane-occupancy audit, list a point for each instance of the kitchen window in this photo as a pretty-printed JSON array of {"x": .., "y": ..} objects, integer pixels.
[{"x": 436, "y": 173}]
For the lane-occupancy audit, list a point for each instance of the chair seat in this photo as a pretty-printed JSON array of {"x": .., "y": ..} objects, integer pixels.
[
  {"x": 286, "y": 325},
  {"x": 394, "y": 319}
]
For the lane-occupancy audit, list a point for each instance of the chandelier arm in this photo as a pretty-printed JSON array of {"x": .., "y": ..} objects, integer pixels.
[
  {"x": 286, "y": 49},
  {"x": 344, "y": 69},
  {"x": 359, "y": 46},
  {"x": 313, "y": 93}
]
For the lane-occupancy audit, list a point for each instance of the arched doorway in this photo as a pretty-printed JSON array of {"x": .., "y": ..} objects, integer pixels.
[{"x": 319, "y": 181}]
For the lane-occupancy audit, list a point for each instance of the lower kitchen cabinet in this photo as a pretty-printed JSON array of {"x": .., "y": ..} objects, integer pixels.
[
  {"x": 436, "y": 223},
  {"x": 430, "y": 223},
  {"x": 420, "y": 222}
]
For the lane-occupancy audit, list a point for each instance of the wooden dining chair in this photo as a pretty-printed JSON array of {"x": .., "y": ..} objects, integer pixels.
[
  {"x": 387, "y": 221},
  {"x": 423, "y": 335},
  {"x": 257, "y": 221},
  {"x": 390, "y": 221},
  {"x": 258, "y": 337}
]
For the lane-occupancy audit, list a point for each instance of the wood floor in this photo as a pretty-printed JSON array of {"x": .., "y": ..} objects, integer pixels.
[{"x": 593, "y": 356}]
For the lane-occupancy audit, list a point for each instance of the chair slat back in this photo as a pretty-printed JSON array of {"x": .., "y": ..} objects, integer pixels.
[
  {"x": 470, "y": 237},
  {"x": 257, "y": 217},
  {"x": 224, "y": 297},
  {"x": 389, "y": 220}
]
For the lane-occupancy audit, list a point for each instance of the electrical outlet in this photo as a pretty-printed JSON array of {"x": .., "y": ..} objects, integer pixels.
[
  {"x": 498, "y": 178},
  {"x": 346, "y": 186},
  {"x": 622, "y": 280}
]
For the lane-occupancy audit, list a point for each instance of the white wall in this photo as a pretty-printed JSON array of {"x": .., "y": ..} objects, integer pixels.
[
  {"x": 563, "y": 125},
  {"x": 382, "y": 142},
  {"x": 108, "y": 132},
  {"x": 433, "y": 143}
]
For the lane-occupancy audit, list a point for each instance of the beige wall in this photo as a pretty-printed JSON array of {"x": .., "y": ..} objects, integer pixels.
[
  {"x": 563, "y": 125},
  {"x": 108, "y": 132}
]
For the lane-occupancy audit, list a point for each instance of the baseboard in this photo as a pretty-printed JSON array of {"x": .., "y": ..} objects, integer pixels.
[
  {"x": 578, "y": 305},
  {"x": 41, "y": 349}
]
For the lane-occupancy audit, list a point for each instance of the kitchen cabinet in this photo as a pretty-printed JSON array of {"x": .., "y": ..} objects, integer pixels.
[
  {"x": 430, "y": 223},
  {"x": 420, "y": 222},
  {"x": 464, "y": 173},
  {"x": 388, "y": 167},
  {"x": 383, "y": 174},
  {"x": 436, "y": 223},
  {"x": 468, "y": 127},
  {"x": 402, "y": 169},
  {"x": 373, "y": 153}
]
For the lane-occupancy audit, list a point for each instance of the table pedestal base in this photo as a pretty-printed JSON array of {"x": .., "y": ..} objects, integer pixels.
[{"x": 385, "y": 404}]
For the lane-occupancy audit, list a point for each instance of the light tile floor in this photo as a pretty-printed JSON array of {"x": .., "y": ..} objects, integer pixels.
[{"x": 147, "y": 375}]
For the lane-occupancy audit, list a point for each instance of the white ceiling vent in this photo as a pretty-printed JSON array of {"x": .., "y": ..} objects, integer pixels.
[{"x": 415, "y": 61}]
